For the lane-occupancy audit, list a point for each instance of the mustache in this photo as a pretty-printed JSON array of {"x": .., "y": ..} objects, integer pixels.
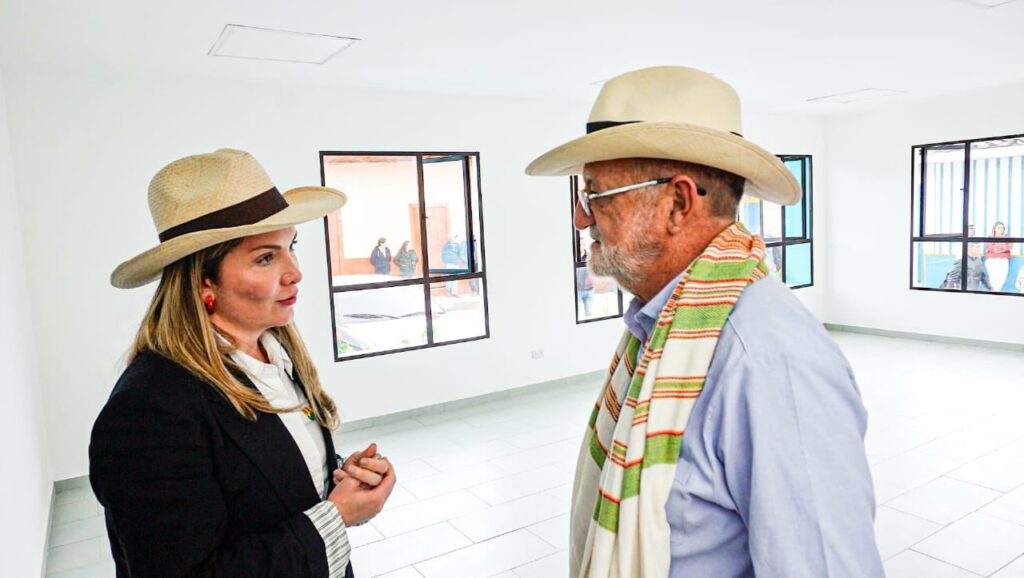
[{"x": 595, "y": 234}]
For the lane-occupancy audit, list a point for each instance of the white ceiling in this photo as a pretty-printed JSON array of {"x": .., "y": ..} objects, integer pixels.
[{"x": 777, "y": 53}]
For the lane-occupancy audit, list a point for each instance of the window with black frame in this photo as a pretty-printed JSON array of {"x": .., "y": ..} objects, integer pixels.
[
  {"x": 597, "y": 298},
  {"x": 405, "y": 254},
  {"x": 786, "y": 229},
  {"x": 968, "y": 198}
]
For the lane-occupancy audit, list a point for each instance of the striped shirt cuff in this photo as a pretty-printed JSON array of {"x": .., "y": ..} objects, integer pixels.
[{"x": 328, "y": 523}]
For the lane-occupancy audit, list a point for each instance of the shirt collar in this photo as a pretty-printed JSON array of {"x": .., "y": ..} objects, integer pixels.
[
  {"x": 278, "y": 357},
  {"x": 276, "y": 353},
  {"x": 640, "y": 317}
]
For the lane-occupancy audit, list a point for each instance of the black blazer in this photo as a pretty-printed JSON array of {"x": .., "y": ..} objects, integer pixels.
[{"x": 191, "y": 488}]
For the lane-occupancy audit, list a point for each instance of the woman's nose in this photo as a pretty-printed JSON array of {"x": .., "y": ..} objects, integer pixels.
[{"x": 293, "y": 275}]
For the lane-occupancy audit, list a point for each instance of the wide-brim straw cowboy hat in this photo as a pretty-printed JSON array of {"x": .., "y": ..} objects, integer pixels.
[
  {"x": 676, "y": 113},
  {"x": 202, "y": 200}
]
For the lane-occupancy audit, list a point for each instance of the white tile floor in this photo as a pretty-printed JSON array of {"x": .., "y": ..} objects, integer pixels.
[{"x": 484, "y": 491}]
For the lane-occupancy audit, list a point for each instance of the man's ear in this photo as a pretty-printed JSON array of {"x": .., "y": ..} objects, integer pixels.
[{"x": 684, "y": 200}]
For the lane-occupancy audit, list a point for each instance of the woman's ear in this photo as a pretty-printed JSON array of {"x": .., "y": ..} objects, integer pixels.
[{"x": 207, "y": 288}]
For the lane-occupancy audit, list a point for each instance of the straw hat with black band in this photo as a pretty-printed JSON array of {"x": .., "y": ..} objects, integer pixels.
[
  {"x": 676, "y": 113},
  {"x": 202, "y": 200}
]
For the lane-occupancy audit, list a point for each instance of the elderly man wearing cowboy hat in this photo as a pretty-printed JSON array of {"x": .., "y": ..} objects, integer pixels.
[{"x": 727, "y": 440}]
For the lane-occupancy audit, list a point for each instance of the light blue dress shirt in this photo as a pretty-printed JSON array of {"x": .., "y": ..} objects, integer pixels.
[{"x": 772, "y": 479}]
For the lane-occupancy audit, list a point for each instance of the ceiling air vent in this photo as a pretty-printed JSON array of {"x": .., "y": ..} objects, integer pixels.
[
  {"x": 253, "y": 43},
  {"x": 856, "y": 95}
]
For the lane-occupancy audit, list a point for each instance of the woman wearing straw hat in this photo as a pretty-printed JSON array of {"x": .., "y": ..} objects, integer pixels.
[{"x": 213, "y": 455}]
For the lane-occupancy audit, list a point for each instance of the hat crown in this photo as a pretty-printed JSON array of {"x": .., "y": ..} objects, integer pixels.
[
  {"x": 197, "y": 185},
  {"x": 675, "y": 94}
]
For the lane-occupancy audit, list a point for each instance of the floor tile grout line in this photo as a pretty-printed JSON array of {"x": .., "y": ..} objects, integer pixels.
[
  {"x": 69, "y": 522},
  {"x": 503, "y": 477},
  {"x": 385, "y": 537},
  {"x": 945, "y": 474},
  {"x": 947, "y": 524},
  {"x": 965, "y": 464},
  {"x": 470, "y": 488},
  {"x": 943, "y": 527},
  {"x": 80, "y": 540},
  {"x": 542, "y": 538},
  {"x": 972, "y": 573},
  {"x": 470, "y": 545},
  {"x": 975, "y": 483},
  {"x": 940, "y": 528},
  {"x": 495, "y": 538},
  {"x": 918, "y": 447},
  {"x": 1020, "y": 557},
  {"x": 555, "y": 553},
  {"x": 472, "y": 542},
  {"x": 521, "y": 528},
  {"x": 413, "y": 564}
]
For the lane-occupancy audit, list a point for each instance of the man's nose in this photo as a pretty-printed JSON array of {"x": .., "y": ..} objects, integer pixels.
[{"x": 580, "y": 219}]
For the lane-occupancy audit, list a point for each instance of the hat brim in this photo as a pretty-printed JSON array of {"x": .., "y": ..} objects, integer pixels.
[
  {"x": 304, "y": 204},
  {"x": 767, "y": 177}
]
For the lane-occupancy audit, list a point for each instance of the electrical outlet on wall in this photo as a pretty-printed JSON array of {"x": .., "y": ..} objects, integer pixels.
[{"x": 537, "y": 354}]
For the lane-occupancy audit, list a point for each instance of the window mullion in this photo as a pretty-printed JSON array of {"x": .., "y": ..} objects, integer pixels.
[{"x": 427, "y": 305}]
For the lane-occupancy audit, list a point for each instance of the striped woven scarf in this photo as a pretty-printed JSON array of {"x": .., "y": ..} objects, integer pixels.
[{"x": 628, "y": 461}]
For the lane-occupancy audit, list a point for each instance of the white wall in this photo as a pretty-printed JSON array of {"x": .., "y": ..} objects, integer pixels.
[
  {"x": 868, "y": 217},
  {"x": 789, "y": 135},
  {"x": 86, "y": 148},
  {"x": 24, "y": 467}
]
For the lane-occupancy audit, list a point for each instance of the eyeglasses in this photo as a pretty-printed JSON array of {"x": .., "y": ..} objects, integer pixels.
[{"x": 585, "y": 197}]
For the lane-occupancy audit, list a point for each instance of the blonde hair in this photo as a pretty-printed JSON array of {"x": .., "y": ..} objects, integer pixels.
[{"x": 177, "y": 326}]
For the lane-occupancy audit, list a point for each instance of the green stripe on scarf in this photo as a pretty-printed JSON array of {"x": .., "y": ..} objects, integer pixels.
[
  {"x": 596, "y": 451},
  {"x": 721, "y": 271},
  {"x": 606, "y": 514}
]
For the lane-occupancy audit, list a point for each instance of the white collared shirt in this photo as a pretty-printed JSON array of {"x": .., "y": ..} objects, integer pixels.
[{"x": 274, "y": 381}]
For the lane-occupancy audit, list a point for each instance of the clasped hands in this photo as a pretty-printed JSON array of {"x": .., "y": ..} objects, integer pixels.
[{"x": 362, "y": 485}]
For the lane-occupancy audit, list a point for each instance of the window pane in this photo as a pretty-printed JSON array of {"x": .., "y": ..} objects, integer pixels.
[
  {"x": 915, "y": 193},
  {"x": 771, "y": 215},
  {"x": 943, "y": 174},
  {"x": 596, "y": 297},
  {"x": 584, "y": 244},
  {"x": 937, "y": 265},
  {"x": 581, "y": 244},
  {"x": 795, "y": 220},
  {"x": 461, "y": 288},
  {"x": 796, "y": 166},
  {"x": 444, "y": 187},
  {"x": 458, "y": 317},
  {"x": 996, "y": 193},
  {"x": 798, "y": 264},
  {"x": 374, "y": 320},
  {"x": 1004, "y": 264},
  {"x": 795, "y": 213},
  {"x": 750, "y": 214},
  {"x": 383, "y": 201},
  {"x": 774, "y": 258}
]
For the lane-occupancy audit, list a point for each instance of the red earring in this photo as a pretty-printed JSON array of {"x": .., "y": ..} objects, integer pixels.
[{"x": 208, "y": 300}]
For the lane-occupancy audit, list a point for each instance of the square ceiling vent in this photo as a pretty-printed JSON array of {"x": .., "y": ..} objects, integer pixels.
[{"x": 237, "y": 41}]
